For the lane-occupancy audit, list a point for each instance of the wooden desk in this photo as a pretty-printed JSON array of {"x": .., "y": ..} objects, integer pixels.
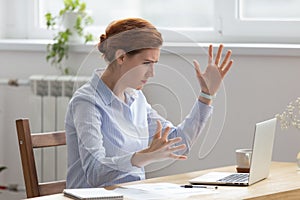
[{"x": 282, "y": 183}]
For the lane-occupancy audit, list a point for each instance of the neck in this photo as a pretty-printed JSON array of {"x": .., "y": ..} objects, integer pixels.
[{"x": 112, "y": 80}]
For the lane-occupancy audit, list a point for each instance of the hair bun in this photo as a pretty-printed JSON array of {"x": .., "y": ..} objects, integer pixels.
[
  {"x": 102, "y": 38},
  {"x": 101, "y": 46}
]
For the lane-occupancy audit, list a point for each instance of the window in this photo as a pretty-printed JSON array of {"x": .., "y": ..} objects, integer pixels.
[
  {"x": 196, "y": 20},
  {"x": 173, "y": 15},
  {"x": 266, "y": 10},
  {"x": 275, "y": 21},
  {"x": 168, "y": 13}
]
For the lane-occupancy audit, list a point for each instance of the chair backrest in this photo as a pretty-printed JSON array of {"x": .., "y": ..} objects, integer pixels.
[{"x": 27, "y": 142}]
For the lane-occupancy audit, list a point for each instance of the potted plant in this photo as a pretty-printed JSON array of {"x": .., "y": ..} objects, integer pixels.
[
  {"x": 291, "y": 115},
  {"x": 73, "y": 19},
  {"x": 291, "y": 118}
]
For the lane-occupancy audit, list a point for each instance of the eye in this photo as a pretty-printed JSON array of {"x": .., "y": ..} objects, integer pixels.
[{"x": 147, "y": 63}]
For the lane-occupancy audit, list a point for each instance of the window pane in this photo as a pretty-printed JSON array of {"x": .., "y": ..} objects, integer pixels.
[
  {"x": 279, "y": 10},
  {"x": 45, "y": 6},
  {"x": 162, "y": 13}
]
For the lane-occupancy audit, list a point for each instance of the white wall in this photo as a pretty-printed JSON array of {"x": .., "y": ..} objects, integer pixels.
[
  {"x": 2, "y": 17},
  {"x": 1, "y": 134},
  {"x": 256, "y": 89}
]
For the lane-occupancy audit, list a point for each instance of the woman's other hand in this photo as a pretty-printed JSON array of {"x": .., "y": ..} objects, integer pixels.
[{"x": 160, "y": 149}]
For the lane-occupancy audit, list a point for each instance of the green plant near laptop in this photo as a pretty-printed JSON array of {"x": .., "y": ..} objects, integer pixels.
[
  {"x": 291, "y": 118},
  {"x": 74, "y": 18}
]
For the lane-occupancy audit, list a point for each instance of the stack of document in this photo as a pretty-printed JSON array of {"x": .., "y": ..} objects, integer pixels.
[{"x": 92, "y": 194}]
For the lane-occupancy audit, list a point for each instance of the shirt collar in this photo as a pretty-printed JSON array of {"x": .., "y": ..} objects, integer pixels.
[
  {"x": 105, "y": 93},
  {"x": 131, "y": 95}
]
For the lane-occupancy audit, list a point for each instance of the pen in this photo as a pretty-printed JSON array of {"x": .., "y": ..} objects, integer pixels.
[{"x": 199, "y": 186}]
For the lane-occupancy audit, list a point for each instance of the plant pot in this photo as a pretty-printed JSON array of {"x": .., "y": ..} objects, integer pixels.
[{"x": 69, "y": 21}]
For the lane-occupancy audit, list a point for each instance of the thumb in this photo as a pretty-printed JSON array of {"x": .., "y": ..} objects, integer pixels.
[
  {"x": 197, "y": 68},
  {"x": 158, "y": 130}
]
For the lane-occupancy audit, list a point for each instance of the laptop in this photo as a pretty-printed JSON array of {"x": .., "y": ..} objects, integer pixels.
[{"x": 262, "y": 149}]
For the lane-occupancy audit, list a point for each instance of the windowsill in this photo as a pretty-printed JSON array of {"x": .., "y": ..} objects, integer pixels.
[{"x": 257, "y": 49}]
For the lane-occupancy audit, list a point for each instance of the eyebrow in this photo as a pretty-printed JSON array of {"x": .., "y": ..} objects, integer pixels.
[{"x": 146, "y": 60}]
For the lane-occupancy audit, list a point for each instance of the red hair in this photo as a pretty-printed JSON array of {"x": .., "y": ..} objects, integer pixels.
[{"x": 131, "y": 35}]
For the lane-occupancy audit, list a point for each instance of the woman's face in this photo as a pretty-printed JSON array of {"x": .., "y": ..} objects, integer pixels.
[{"x": 138, "y": 68}]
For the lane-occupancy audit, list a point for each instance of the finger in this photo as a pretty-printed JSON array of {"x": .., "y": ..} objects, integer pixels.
[
  {"x": 158, "y": 130},
  {"x": 219, "y": 54},
  {"x": 174, "y": 141},
  {"x": 177, "y": 148},
  {"x": 226, "y": 69},
  {"x": 178, "y": 157},
  {"x": 166, "y": 133},
  {"x": 197, "y": 68},
  {"x": 182, "y": 157},
  {"x": 226, "y": 59},
  {"x": 210, "y": 54}
]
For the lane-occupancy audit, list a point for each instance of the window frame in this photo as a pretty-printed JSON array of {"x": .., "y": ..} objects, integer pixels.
[
  {"x": 236, "y": 29},
  {"x": 34, "y": 31},
  {"x": 227, "y": 28}
]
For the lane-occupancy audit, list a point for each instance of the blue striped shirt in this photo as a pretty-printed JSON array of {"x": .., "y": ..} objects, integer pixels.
[{"x": 103, "y": 133}]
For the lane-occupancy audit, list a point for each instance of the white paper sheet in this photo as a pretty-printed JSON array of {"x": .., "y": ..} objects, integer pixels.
[{"x": 160, "y": 191}]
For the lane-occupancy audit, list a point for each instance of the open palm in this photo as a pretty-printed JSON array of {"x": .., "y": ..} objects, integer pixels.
[{"x": 215, "y": 72}]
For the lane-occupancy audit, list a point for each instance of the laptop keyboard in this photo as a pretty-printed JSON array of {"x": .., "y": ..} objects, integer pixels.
[{"x": 235, "y": 178}]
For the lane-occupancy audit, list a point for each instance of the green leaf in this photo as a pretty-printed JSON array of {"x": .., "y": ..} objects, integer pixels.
[
  {"x": 88, "y": 21},
  {"x": 48, "y": 17},
  {"x": 78, "y": 26},
  {"x": 88, "y": 37},
  {"x": 58, "y": 50},
  {"x": 61, "y": 12},
  {"x": 66, "y": 71},
  {"x": 50, "y": 21},
  {"x": 68, "y": 4},
  {"x": 82, "y": 7}
]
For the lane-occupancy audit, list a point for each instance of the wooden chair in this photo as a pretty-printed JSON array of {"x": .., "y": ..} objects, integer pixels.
[{"x": 27, "y": 142}]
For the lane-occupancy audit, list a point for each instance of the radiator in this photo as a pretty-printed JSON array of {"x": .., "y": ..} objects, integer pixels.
[{"x": 50, "y": 97}]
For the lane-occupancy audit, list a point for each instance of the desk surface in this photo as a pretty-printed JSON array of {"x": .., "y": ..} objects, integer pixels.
[{"x": 282, "y": 183}]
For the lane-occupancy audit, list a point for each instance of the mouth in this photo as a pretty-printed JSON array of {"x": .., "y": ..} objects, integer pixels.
[{"x": 144, "y": 81}]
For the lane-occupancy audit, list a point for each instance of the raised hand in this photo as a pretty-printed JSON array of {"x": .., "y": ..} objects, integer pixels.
[{"x": 215, "y": 71}]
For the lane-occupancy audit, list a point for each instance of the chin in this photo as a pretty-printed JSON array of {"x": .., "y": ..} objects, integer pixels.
[{"x": 139, "y": 87}]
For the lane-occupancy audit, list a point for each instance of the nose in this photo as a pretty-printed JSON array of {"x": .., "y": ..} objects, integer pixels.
[{"x": 150, "y": 72}]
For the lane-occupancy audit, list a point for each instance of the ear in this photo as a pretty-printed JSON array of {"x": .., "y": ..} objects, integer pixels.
[{"x": 119, "y": 56}]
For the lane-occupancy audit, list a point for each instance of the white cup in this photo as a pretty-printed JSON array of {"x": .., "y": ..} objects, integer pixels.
[
  {"x": 243, "y": 159},
  {"x": 298, "y": 160}
]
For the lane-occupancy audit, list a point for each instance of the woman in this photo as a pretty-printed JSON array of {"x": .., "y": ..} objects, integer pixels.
[{"x": 112, "y": 132}]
